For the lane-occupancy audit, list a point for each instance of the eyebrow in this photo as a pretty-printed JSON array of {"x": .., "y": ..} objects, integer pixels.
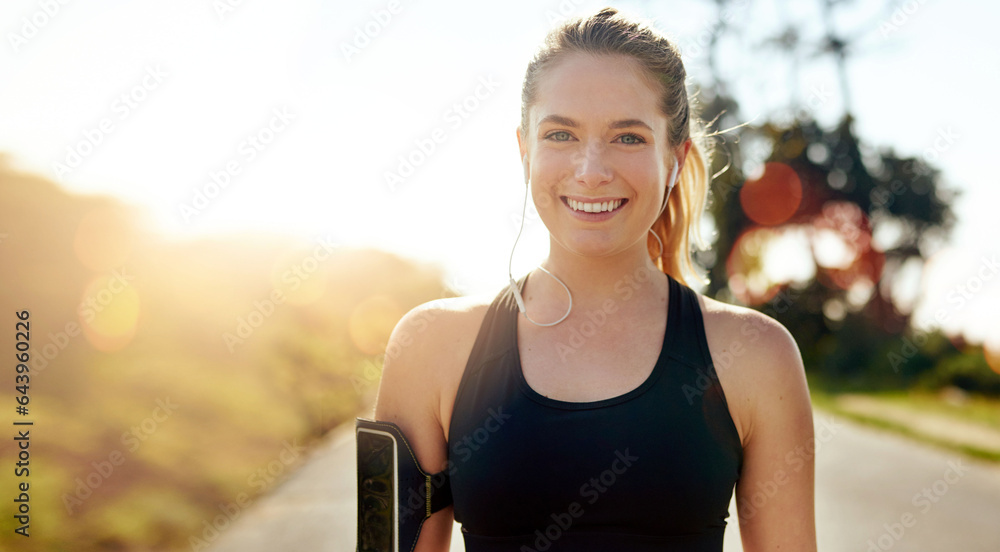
[{"x": 566, "y": 121}]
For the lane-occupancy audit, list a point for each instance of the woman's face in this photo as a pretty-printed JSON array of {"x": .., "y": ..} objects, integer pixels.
[{"x": 597, "y": 154}]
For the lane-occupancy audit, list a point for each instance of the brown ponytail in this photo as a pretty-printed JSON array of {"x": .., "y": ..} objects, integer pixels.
[{"x": 680, "y": 224}]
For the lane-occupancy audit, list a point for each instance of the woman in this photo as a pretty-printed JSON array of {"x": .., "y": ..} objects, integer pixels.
[{"x": 599, "y": 404}]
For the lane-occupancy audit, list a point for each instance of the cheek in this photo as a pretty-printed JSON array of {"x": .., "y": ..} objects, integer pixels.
[
  {"x": 544, "y": 197},
  {"x": 646, "y": 177},
  {"x": 645, "y": 166}
]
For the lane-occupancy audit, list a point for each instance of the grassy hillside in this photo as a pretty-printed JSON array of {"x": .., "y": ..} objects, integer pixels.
[{"x": 173, "y": 382}]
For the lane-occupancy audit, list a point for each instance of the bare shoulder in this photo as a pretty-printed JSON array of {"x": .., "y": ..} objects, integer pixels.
[
  {"x": 420, "y": 334},
  {"x": 757, "y": 361},
  {"x": 432, "y": 339},
  {"x": 424, "y": 359},
  {"x": 749, "y": 332}
]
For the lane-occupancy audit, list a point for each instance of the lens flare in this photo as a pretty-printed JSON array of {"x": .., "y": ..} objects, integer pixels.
[
  {"x": 774, "y": 197},
  {"x": 300, "y": 276},
  {"x": 748, "y": 279},
  {"x": 843, "y": 246},
  {"x": 109, "y": 312}
]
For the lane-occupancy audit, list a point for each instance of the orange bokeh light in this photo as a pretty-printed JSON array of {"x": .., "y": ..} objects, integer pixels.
[
  {"x": 109, "y": 312},
  {"x": 747, "y": 278},
  {"x": 774, "y": 197},
  {"x": 853, "y": 227}
]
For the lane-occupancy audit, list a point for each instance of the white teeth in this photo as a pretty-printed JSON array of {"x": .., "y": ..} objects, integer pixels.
[{"x": 594, "y": 207}]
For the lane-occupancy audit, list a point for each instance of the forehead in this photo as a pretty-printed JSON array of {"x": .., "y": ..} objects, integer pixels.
[{"x": 595, "y": 88}]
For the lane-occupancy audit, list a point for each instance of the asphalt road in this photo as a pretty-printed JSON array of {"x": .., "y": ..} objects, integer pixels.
[{"x": 875, "y": 491}]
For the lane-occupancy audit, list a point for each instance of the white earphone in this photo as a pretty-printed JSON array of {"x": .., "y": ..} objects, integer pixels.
[{"x": 670, "y": 185}]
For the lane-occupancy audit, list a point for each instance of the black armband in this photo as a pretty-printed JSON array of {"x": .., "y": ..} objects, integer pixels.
[{"x": 395, "y": 496}]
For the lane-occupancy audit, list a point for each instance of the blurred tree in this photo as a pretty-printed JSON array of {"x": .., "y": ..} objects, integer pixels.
[{"x": 825, "y": 227}]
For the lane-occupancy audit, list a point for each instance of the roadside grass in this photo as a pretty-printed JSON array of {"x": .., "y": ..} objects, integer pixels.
[{"x": 950, "y": 404}]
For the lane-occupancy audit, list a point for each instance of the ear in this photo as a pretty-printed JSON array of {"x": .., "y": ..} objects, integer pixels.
[
  {"x": 680, "y": 153},
  {"x": 522, "y": 146}
]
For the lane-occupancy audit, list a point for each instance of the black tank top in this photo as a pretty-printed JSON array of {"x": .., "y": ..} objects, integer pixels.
[{"x": 651, "y": 469}]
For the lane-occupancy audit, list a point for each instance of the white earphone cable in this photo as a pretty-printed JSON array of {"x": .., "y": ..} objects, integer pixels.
[
  {"x": 510, "y": 273},
  {"x": 510, "y": 261}
]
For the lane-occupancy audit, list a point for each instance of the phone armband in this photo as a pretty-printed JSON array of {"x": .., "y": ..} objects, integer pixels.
[{"x": 395, "y": 496}]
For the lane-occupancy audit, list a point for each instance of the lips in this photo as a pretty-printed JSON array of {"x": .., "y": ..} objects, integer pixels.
[{"x": 583, "y": 206}]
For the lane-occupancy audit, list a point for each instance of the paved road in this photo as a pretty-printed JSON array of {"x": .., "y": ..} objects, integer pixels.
[{"x": 871, "y": 486}]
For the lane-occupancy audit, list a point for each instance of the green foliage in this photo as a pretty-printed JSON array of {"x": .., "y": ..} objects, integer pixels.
[
  {"x": 968, "y": 371},
  {"x": 110, "y": 468},
  {"x": 838, "y": 335}
]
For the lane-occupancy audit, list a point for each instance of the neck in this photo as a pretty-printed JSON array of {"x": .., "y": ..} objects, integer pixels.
[{"x": 594, "y": 280}]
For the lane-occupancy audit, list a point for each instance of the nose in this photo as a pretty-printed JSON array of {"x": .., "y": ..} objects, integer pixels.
[{"x": 592, "y": 170}]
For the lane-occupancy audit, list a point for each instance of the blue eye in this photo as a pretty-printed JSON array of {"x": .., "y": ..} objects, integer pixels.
[{"x": 632, "y": 139}]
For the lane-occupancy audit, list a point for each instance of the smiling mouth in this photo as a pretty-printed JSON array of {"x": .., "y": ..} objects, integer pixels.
[{"x": 595, "y": 207}]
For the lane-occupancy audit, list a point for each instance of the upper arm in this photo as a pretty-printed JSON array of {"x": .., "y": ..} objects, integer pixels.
[
  {"x": 775, "y": 493},
  {"x": 407, "y": 394},
  {"x": 421, "y": 355}
]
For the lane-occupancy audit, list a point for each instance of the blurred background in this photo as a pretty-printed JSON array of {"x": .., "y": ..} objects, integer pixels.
[{"x": 215, "y": 213}]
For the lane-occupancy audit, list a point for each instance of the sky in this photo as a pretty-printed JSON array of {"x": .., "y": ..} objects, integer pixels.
[{"x": 225, "y": 116}]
